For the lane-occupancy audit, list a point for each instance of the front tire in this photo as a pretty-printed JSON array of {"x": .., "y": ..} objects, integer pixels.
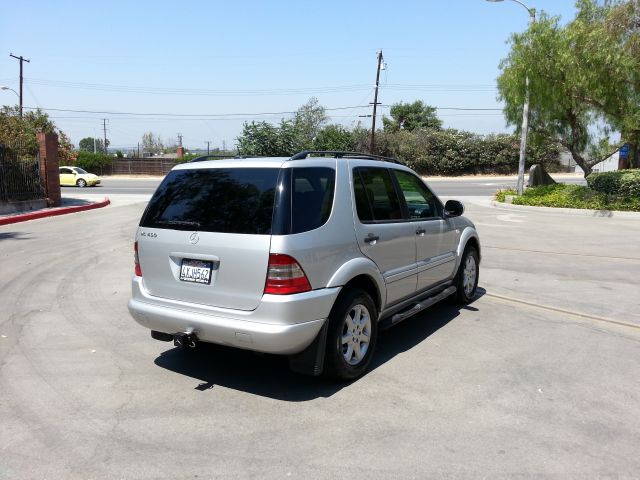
[
  {"x": 81, "y": 183},
  {"x": 467, "y": 276},
  {"x": 352, "y": 335}
]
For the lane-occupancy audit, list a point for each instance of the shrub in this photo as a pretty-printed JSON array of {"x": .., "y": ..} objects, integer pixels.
[
  {"x": 625, "y": 183},
  {"x": 572, "y": 196},
  {"x": 454, "y": 152},
  {"x": 630, "y": 183},
  {"x": 93, "y": 162}
]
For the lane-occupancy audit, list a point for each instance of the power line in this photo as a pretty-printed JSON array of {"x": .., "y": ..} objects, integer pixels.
[
  {"x": 192, "y": 91},
  {"x": 213, "y": 116},
  {"x": 199, "y": 115},
  {"x": 258, "y": 92}
]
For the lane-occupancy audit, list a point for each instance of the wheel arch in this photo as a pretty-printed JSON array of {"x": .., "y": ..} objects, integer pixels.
[
  {"x": 361, "y": 273},
  {"x": 469, "y": 237},
  {"x": 366, "y": 283}
]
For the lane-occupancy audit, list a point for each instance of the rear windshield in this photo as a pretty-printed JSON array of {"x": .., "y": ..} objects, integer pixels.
[{"x": 225, "y": 200}]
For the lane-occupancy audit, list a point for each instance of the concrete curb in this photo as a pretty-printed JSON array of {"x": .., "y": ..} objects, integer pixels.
[
  {"x": 571, "y": 211},
  {"x": 52, "y": 212}
]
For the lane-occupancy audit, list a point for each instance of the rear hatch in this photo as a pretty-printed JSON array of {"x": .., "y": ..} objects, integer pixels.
[{"x": 205, "y": 235}]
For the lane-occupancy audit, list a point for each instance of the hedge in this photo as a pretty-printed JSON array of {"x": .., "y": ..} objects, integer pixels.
[
  {"x": 92, "y": 162},
  {"x": 453, "y": 152},
  {"x": 624, "y": 183},
  {"x": 562, "y": 195}
]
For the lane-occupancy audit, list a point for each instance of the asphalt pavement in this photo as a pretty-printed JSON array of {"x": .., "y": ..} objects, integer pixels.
[{"x": 539, "y": 377}]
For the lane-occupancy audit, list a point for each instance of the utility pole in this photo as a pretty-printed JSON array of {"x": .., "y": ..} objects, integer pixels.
[
  {"x": 208, "y": 142},
  {"x": 21, "y": 59},
  {"x": 138, "y": 149},
  {"x": 104, "y": 127},
  {"x": 375, "y": 104},
  {"x": 95, "y": 150}
]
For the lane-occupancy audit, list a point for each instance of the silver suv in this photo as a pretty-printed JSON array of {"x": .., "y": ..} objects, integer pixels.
[{"x": 308, "y": 256}]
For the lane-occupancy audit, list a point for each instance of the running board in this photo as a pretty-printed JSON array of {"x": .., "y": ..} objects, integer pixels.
[{"x": 416, "y": 308}]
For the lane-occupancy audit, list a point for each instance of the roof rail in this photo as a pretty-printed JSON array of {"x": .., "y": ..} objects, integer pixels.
[
  {"x": 341, "y": 154},
  {"x": 204, "y": 158}
]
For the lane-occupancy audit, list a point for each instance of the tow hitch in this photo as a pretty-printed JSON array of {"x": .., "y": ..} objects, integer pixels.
[{"x": 185, "y": 340}]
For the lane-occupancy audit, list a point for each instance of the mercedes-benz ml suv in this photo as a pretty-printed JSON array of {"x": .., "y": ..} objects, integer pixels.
[{"x": 308, "y": 256}]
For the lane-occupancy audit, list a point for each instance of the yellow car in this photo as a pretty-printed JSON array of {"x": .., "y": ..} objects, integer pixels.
[{"x": 77, "y": 176}]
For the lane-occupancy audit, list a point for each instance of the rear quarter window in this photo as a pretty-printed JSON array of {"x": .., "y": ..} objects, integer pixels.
[{"x": 305, "y": 199}]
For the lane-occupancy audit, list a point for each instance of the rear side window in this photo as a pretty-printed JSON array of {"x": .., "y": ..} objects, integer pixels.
[
  {"x": 376, "y": 197},
  {"x": 226, "y": 200},
  {"x": 305, "y": 199}
]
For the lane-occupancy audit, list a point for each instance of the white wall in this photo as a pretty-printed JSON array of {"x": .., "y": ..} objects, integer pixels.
[{"x": 608, "y": 165}]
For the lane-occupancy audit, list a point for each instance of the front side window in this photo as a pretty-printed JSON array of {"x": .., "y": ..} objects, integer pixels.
[
  {"x": 65, "y": 171},
  {"x": 225, "y": 200},
  {"x": 421, "y": 203},
  {"x": 376, "y": 197}
]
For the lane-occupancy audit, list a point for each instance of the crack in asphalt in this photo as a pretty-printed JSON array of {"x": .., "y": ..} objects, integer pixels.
[{"x": 565, "y": 311}]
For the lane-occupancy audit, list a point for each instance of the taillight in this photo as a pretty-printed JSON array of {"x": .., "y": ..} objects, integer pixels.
[
  {"x": 285, "y": 276},
  {"x": 136, "y": 260}
]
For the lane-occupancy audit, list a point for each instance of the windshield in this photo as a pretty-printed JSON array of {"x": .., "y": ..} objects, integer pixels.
[{"x": 79, "y": 170}]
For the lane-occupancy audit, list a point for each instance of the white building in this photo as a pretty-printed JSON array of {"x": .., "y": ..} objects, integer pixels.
[{"x": 608, "y": 165}]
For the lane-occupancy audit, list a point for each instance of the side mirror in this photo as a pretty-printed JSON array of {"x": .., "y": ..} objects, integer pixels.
[{"x": 453, "y": 208}]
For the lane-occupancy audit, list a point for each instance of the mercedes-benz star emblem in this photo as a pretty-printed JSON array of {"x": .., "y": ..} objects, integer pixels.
[{"x": 194, "y": 238}]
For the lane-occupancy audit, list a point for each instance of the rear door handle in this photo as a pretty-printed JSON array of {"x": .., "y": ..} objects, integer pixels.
[
  {"x": 372, "y": 239},
  {"x": 421, "y": 231}
]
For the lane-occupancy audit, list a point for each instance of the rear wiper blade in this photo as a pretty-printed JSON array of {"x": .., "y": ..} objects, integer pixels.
[{"x": 184, "y": 223}]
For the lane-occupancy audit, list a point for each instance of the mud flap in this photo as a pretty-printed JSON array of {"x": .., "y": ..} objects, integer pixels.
[{"x": 310, "y": 361}]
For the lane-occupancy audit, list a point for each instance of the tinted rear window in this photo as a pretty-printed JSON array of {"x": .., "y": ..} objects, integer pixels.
[{"x": 226, "y": 200}]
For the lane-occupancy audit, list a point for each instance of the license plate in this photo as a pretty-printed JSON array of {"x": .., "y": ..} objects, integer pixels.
[{"x": 196, "y": 271}]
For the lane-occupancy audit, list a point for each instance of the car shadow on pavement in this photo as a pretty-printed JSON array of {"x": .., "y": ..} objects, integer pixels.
[
  {"x": 14, "y": 236},
  {"x": 269, "y": 375},
  {"x": 75, "y": 202}
]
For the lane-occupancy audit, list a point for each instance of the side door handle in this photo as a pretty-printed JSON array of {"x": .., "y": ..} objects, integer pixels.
[
  {"x": 371, "y": 239},
  {"x": 420, "y": 231}
]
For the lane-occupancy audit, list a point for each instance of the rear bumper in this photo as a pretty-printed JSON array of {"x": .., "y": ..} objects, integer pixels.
[{"x": 282, "y": 324}]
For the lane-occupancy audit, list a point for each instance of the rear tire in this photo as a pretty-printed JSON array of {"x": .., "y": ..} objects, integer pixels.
[
  {"x": 466, "y": 280},
  {"x": 352, "y": 335}
]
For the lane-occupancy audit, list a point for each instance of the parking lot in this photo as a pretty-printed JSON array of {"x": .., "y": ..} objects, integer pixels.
[{"x": 540, "y": 376}]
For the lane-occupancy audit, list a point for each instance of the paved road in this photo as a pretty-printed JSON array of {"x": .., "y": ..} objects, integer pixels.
[
  {"x": 464, "y": 186},
  {"x": 499, "y": 388}
]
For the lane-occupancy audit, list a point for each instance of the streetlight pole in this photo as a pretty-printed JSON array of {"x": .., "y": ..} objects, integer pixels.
[
  {"x": 525, "y": 109},
  {"x": 9, "y": 88}
]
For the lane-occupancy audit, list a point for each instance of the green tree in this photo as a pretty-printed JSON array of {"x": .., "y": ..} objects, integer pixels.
[
  {"x": 606, "y": 41},
  {"x": 583, "y": 80},
  {"x": 308, "y": 120},
  {"x": 151, "y": 143},
  {"x": 411, "y": 116},
  {"x": 15, "y": 130},
  {"x": 265, "y": 140},
  {"x": 87, "y": 144},
  {"x": 334, "y": 137},
  {"x": 21, "y": 131}
]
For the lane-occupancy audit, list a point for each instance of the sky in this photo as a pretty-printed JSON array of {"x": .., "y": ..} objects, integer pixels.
[{"x": 202, "y": 68}]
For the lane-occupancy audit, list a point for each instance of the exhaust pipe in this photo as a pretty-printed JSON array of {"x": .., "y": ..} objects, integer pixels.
[{"x": 185, "y": 340}]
